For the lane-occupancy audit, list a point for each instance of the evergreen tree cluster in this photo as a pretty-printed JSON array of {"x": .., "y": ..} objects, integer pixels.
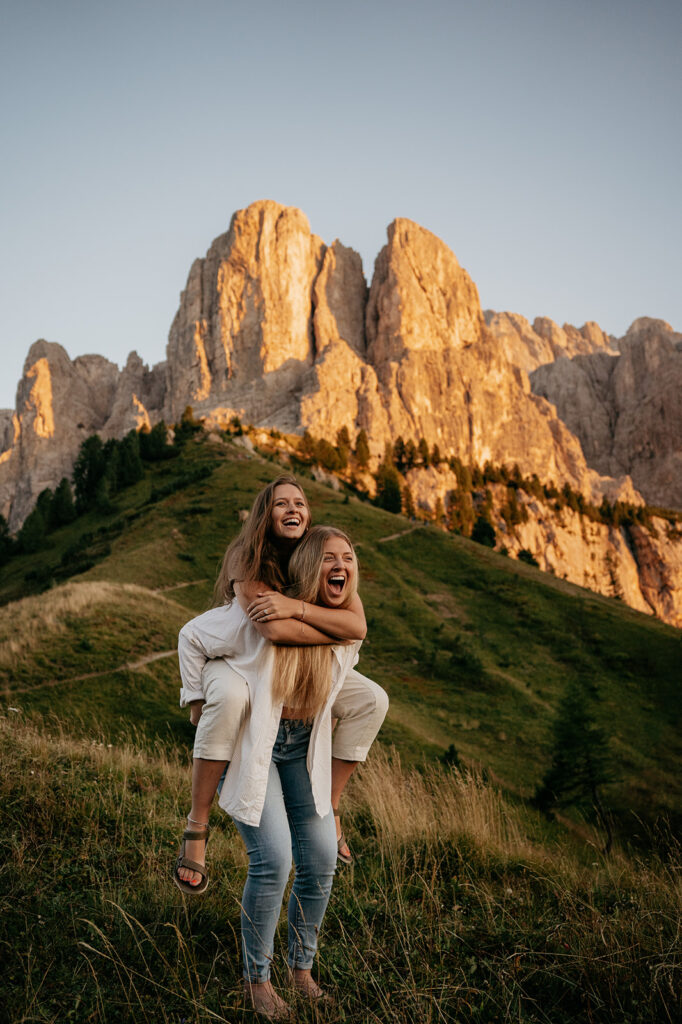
[
  {"x": 100, "y": 471},
  {"x": 465, "y": 514},
  {"x": 336, "y": 457},
  {"x": 52, "y": 510}
]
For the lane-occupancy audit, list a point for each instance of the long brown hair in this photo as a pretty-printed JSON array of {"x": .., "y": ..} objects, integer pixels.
[
  {"x": 302, "y": 676},
  {"x": 253, "y": 555}
]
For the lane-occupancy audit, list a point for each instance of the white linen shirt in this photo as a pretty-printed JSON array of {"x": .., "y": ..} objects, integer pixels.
[{"x": 227, "y": 632}]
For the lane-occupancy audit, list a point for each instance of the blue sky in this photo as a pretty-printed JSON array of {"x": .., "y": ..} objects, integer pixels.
[{"x": 540, "y": 139}]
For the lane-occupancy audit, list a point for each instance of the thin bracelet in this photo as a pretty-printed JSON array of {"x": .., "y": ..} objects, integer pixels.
[{"x": 302, "y": 610}]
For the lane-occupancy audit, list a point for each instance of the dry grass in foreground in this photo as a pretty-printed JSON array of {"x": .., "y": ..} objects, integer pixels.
[{"x": 459, "y": 907}]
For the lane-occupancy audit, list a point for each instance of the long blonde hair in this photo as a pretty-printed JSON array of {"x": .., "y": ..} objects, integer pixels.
[
  {"x": 302, "y": 676},
  {"x": 252, "y": 555}
]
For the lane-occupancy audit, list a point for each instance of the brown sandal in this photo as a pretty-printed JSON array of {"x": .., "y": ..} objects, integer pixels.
[
  {"x": 185, "y": 862},
  {"x": 345, "y": 858}
]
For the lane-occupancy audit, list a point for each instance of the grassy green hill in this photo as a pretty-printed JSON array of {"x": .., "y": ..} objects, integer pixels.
[
  {"x": 473, "y": 648},
  {"x": 494, "y": 913}
]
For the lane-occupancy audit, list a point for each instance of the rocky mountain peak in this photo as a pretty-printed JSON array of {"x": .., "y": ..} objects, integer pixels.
[
  {"x": 280, "y": 329},
  {"x": 420, "y": 298}
]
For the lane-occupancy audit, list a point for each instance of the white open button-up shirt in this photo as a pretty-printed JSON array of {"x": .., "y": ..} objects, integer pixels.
[{"x": 227, "y": 632}]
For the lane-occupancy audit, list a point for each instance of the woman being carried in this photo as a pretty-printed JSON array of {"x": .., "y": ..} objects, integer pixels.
[
  {"x": 254, "y": 570},
  {"x": 278, "y": 785}
]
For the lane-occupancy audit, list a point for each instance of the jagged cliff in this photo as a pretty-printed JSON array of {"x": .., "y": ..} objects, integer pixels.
[
  {"x": 60, "y": 402},
  {"x": 529, "y": 347},
  {"x": 642, "y": 565},
  {"x": 282, "y": 330},
  {"x": 279, "y": 329},
  {"x": 626, "y": 408}
]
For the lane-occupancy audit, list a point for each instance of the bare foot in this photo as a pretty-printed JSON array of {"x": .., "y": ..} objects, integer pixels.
[
  {"x": 303, "y": 982},
  {"x": 265, "y": 1000}
]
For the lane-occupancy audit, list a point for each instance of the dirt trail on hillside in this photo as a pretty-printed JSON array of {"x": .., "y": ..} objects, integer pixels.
[
  {"x": 394, "y": 536},
  {"x": 129, "y": 666},
  {"x": 179, "y": 586}
]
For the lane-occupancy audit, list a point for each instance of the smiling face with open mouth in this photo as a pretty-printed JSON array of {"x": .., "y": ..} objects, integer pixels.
[
  {"x": 337, "y": 572},
  {"x": 289, "y": 515}
]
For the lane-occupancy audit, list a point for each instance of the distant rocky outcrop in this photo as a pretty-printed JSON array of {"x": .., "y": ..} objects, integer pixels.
[
  {"x": 626, "y": 408},
  {"x": 640, "y": 565},
  {"x": 529, "y": 347},
  {"x": 60, "y": 402}
]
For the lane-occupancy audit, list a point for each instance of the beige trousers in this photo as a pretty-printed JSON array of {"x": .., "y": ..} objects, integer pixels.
[{"x": 360, "y": 708}]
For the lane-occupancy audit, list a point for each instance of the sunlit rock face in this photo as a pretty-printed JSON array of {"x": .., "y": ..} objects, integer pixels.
[
  {"x": 60, "y": 402},
  {"x": 243, "y": 335},
  {"x": 282, "y": 330},
  {"x": 529, "y": 346},
  {"x": 626, "y": 409},
  {"x": 641, "y": 566},
  {"x": 440, "y": 371}
]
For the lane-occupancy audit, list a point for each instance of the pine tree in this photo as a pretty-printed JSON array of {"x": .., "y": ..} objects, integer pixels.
[
  {"x": 362, "y": 450},
  {"x": 327, "y": 455},
  {"x": 7, "y": 545},
  {"x": 439, "y": 514},
  {"x": 436, "y": 458},
  {"x": 483, "y": 532},
  {"x": 388, "y": 494},
  {"x": 410, "y": 455},
  {"x": 62, "y": 509},
  {"x": 423, "y": 451},
  {"x": 308, "y": 447},
  {"x": 343, "y": 446},
  {"x": 343, "y": 438},
  {"x": 399, "y": 455},
  {"x": 44, "y": 503},
  {"x": 187, "y": 426},
  {"x": 112, "y": 465},
  {"x": 32, "y": 534},
  {"x": 455, "y": 465},
  {"x": 130, "y": 464},
  {"x": 88, "y": 471},
  {"x": 154, "y": 443},
  {"x": 580, "y": 757},
  {"x": 408, "y": 502}
]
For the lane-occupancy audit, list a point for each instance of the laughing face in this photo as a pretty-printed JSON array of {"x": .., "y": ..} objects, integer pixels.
[
  {"x": 336, "y": 574},
  {"x": 289, "y": 515}
]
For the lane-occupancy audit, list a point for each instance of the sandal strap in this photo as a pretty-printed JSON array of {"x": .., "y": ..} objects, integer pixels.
[
  {"x": 190, "y": 834},
  {"x": 185, "y": 862}
]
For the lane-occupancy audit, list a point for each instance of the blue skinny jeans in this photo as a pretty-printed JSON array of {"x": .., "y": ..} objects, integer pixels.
[{"x": 289, "y": 826}]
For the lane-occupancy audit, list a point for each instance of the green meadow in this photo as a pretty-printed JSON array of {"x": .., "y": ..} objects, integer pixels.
[{"x": 464, "y": 902}]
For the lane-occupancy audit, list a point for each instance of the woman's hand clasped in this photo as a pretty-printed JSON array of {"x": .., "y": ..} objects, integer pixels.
[{"x": 271, "y": 605}]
